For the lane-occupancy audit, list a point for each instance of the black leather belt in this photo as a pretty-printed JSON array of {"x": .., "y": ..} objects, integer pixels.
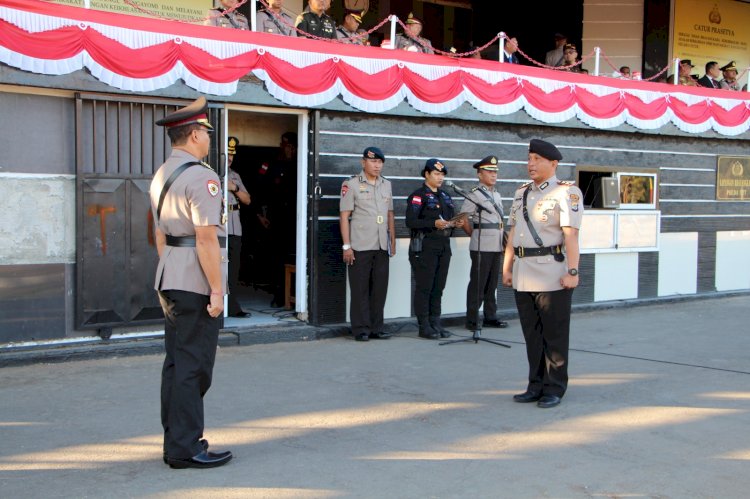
[
  {"x": 189, "y": 241},
  {"x": 521, "y": 252},
  {"x": 487, "y": 226},
  {"x": 234, "y": 207}
]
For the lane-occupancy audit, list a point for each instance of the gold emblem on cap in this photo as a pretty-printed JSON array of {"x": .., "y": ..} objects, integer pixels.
[
  {"x": 370, "y": 154},
  {"x": 439, "y": 166},
  {"x": 493, "y": 160}
]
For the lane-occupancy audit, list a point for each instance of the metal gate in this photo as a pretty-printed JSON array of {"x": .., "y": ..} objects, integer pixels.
[{"x": 118, "y": 149}]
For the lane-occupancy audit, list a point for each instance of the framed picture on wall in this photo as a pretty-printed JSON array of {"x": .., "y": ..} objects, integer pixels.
[{"x": 637, "y": 190}]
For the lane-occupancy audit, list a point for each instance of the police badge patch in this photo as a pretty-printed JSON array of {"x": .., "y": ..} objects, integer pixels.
[{"x": 213, "y": 187}]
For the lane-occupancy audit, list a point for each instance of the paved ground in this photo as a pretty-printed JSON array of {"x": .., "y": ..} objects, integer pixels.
[{"x": 657, "y": 407}]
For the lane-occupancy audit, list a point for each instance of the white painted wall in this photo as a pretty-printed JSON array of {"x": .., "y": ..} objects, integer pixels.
[
  {"x": 678, "y": 264},
  {"x": 732, "y": 269},
  {"x": 615, "y": 26},
  {"x": 616, "y": 276}
]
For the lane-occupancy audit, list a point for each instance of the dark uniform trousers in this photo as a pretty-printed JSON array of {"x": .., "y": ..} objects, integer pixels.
[
  {"x": 483, "y": 288},
  {"x": 430, "y": 273},
  {"x": 368, "y": 283},
  {"x": 190, "y": 340},
  {"x": 235, "y": 254},
  {"x": 545, "y": 320}
]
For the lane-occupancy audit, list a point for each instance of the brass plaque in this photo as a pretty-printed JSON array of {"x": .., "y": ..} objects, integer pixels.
[{"x": 733, "y": 178}]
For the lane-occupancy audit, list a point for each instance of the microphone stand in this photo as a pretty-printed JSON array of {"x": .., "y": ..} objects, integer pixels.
[{"x": 476, "y": 335}]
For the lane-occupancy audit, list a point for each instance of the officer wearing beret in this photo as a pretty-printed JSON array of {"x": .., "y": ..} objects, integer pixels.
[
  {"x": 225, "y": 17},
  {"x": 541, "y": 263},
  {"x": 410, "y": 40},
  {"x": 275, "y": 20},
  {"x": 484, "y": 207},
  {"x": 347, "y": 32},
  {"x": 729, "y": 82},
  {"x": 368, "y": 231},
  {"x": 237, "y": 196},
  {"x": 186, "y": 205},
  {"x": 316, "y": 22},
  {"x": 429, "y": 210}
]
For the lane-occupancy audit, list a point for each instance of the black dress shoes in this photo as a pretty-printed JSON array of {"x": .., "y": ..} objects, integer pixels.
[
  {"x": 429, "y": 335},
  {"x": 203, "y": 460},
  {"x": 380, "y": 336},
  {"x": 204, "y": 444},
  {"x": 362, "y": 337},
  {"x": 527, "y": 396},
  {"x": 241, "y": 314},
  {"x": 495, "y": 323},
  {"x": 548, "y": 401}
]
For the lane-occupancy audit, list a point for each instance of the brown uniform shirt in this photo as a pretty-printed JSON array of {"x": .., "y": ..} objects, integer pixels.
[
  {"x": 194, "y": 199},
  {"x": 369, "y": 204},
  {"x": 229, "y": 20},
  {"x": 492, "y": 238},
  {"x": 268, "y": 23},
  {"x": 234, "y": 226},
  {"x": 551, "y": 206}
]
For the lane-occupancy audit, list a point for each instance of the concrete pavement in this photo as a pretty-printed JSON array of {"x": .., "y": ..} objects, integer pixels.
[{"x": 657, "y": 407}]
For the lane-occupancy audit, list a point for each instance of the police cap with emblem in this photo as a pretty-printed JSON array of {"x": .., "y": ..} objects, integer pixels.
[
  {"x": 729, "y": 67},
  {"x": 489, "y": 163},
  {"x": 197, "y": 112},
  {"x": 434, "y": 165},
  {"x": 373, "y": 153},
  {"x": 545, "y": 150},
  {"x": 356, "y": 14},
  {"x": 412, "y": 19},
  {"x": 232, "y": 144}
]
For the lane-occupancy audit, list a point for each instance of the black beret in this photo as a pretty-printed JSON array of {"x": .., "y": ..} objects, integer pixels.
[
  {"x": 434, "y": 165},
  {"x": 545, "y": 150},
  {"x": 197, "y": 112},
  {"x": 373, "y": 153},
  {"x": 489, "y": 163}
]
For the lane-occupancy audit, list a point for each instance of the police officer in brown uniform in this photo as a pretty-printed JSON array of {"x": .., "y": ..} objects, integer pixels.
[
  {"x": 274, "y": 20},
  {"x": 414, "y": 43},
  {"x": 349, "y": 30},
  {"x": 485, "y": 210},
  {"x": 236, "y": 197},
  {"x": 186, "y": 205},
  {"x": 541, "y": 263},
  {"x": 368, "y": 232},
  {"x": 224, "y": 17}
]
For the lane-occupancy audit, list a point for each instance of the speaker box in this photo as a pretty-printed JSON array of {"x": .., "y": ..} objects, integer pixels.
[{"x": 608, "y": 194}]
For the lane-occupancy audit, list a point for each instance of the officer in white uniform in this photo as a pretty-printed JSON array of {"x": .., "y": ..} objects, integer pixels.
[
  {"x": 224, "y": 17},
  {"x": 541, "y": 263},
  {"x": 275, "y": 20},
  {"x": 236, "y": 197}
]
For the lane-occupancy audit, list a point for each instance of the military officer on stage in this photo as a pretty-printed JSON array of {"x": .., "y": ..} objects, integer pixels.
[
  {"x": 224, "y": 17},
  {"x": 186, "y": 204},
  {"x": 541, "y": 263},
  {"x": 429, "y": 211},
  {"x": 730, "y": 82},
  {"x": 485, "y": 210},
  {"x": 281, "y": 23},
  {"x": 414, "y": 43},
  {"x": 316, "y": 22},
  {"x": 348, "y": 31},
  {"x": 236, "y": 197},
  {"x": 368, "y": 231}
]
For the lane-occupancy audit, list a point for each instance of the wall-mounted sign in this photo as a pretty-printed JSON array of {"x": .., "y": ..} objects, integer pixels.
[
  {"x": 193, "y": 11},
  {"x": 733, "y": 178}
]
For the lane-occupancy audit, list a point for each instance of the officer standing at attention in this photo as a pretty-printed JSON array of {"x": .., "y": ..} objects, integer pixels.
[
  {"x": 369, "y": 239},
  {"x": 315, "y": 21},
  {"x": 224, "y": 17},
  {"x": 237, "y": 196},
  {"x": 349, "y": 28},
  {"x": 483, "y": 281},
  {"x": 186, "y": 204},
  {"x": 429, "y": 210},
  {"x": 414, "y": 43},
  {"x": 544, "y": 219},
  {"x": 280, "y": 24}
]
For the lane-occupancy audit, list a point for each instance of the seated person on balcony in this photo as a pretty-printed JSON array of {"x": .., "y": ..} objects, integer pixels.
[
  {"x": 315, "y": 21},
  {"x": 684, "y": 76},
  {"x": 509, "y": 51},
  {"x": 711, "y": 78},
  {"x": 730, "y": 77},
  {"x": 625, "y": 72},
  {"x": 570, "y": 57},
  {"x": 223, "y": 19},
  {"x": 279, "y": 24},
  {"x": 554, "y": 57},
  {"x": 350, "y": 28},
  {"x": 413, "y": 43}
]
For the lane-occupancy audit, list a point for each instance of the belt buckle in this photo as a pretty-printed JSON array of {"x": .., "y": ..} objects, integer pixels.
[
  {"x": 379, "y": 219},
  {"x": 520, "y": 251}
]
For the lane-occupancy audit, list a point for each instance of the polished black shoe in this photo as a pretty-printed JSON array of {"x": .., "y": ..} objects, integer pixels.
[
  {"x": 380, "y": 336},
  {"x": 429, "y": 335},
  {"x": 495, "y": 323},
  {"x": 203, "y": 460},
  {"x": 527, "y": 396},
  {"x": 438, "y": 328},
  {"x": 204, "y": 444},
  {"x": 362, "y": 337},
  {"x": 241, "y": 314},
  {"x": 548, "y": 401}
]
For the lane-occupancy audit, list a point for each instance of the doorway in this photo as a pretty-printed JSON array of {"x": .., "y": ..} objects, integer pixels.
[{"x": 270, "y": 159}]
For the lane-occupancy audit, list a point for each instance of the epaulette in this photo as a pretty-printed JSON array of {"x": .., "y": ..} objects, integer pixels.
[
  {"x": 475, "y": 189},
  {"x": 526, "y": 185},
  {"x": 565, "y": 182},
  {"x": 203, "y": 163}
]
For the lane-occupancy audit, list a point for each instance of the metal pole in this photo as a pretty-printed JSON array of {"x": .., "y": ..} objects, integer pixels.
[
  {"x": 253, "y": 21},
  {"x": 394, "y": 20},
  {"x": 676, "y": 76},
  {"x": 501, "y": 41},
  {"x": 86, "y": 4},
  {"x": 597, "y": 51}
]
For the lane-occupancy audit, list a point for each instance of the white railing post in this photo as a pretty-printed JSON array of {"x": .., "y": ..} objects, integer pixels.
[
  {"x": 394, "y": 20},
  {"x": 501, "y": 41},
  {"x": 597, "y": 52},
  {"x": 253, "y": 20},
  {"x": 676, "y": 76},
  {"x": 86, "y": 4}
]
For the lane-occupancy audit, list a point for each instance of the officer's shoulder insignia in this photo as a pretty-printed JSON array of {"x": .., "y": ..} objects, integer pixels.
[
  {"x": 416, "y": 200},
  {"x": 213, "y": 187},
  {"x": 565, "y": 182},
  {"x": 206, "y": 165},
  {"x": 344, "y": 189},
  {"x": 299, "y": 19},
  {"x": 526, "y": 185},
  {"x": 475, "y": 189}
]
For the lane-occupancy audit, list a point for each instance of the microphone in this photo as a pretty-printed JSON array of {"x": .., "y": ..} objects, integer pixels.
[{"x": 456, "y": 188}]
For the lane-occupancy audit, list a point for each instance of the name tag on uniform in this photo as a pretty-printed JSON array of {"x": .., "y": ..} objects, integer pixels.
[{"x": 379, "y": 219}]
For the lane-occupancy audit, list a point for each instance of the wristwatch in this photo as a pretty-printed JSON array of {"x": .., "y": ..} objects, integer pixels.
[
  {"x": 573, "y": 271},
  {"x": 346, "y": 247}
]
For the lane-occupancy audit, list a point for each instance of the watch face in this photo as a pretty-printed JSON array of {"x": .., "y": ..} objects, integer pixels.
[{"x": 573, "y": 271}]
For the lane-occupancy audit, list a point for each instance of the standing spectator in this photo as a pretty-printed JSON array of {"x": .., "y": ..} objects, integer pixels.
[
  {"x": 541, "y": 263},
  {"x": 315, "y": 21},
  {"x": 410, "y": 39},
  {"x": 711, "y": 78},
  {"x": 225, "y": 17},
  {"x": 275, "y": 20},
  {"x": 429, "y": 210},
  {"x": 570, "y": 59},
  {"x": 509, "y": 51},
  {"x": 350, "y": 28},
  {"x": 730, "y": 77},
  {"x": 236, "y": 197},
  {"x": 484, "y": 200},
  {"x": 186, "y": 205},
  {"x": 554, "y": 57},
  {"x": 369, "y": 239}
]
